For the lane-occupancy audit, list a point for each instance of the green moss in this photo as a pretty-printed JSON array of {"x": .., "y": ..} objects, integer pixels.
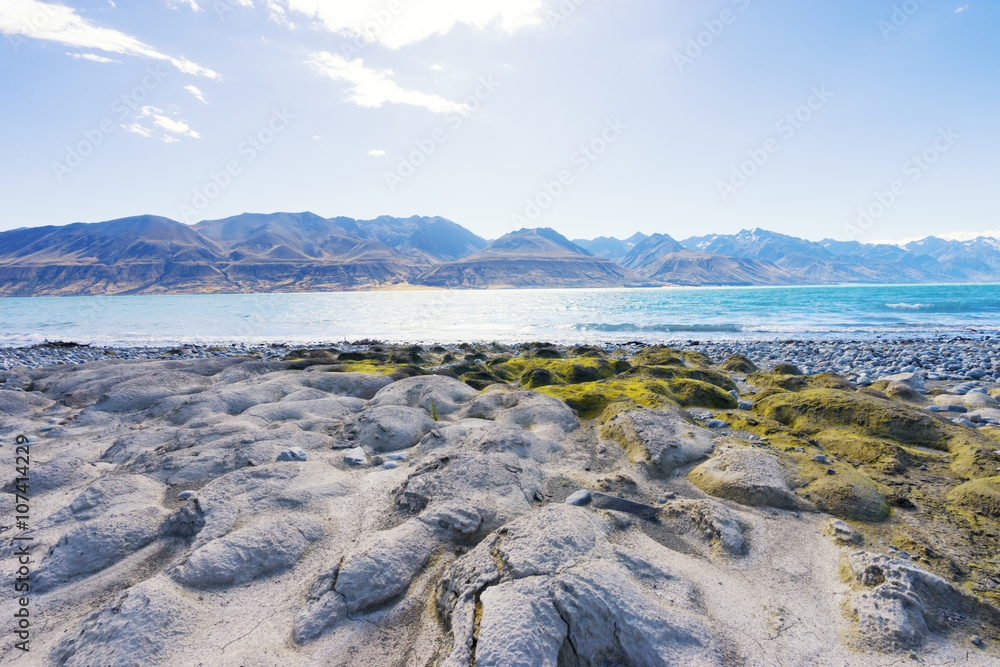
[
  {"x": 716, "y": 378},
  {"x": 858, "y": 448},
  {"x": 847, "y": 494},
  {"x": 815, "y": 410},
  {"x": 657, "y": 355},
  {"x": 737, "y": 363},
  {"x": 554, "y": 371},
  {"x": 786, "y": 369},
  {"x": 800, "y": 382},
  {"x": 695, "y": 393},
  {"x": 697, "y": 359},
  {"x": 590, "y": 399},
  {"x": 786, "y": 382},
  {"x": 364, "y": 367},
  {"x": 981, "y": 496}
]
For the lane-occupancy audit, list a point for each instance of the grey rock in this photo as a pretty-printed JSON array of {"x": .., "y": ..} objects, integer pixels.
[
  {"x": 388, "y": 428},
  {"x": 579, "y": 498},
  {"x": 292, "y": 454},
  {"x": 662, "y": 439},
  {"x": 355, "y": 457}
]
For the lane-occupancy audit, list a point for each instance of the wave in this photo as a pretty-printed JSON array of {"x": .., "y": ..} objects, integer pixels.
[{"x": 909, "y": 306}]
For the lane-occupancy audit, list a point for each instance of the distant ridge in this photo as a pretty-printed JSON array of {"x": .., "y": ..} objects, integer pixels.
[{"x": 285, "y": 252}]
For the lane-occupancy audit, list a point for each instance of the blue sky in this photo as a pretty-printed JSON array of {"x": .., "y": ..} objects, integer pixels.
[{"x": 845, "y": 119}]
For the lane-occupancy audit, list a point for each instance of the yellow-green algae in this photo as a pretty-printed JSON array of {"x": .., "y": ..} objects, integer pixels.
[
  {"x": 979, "y": 495},
  {"x": 590, "y": 399},
  {"x": 815, "y": 410},
  {"x": 800, "y": 382},
  {"x": 557, "y": 371}
]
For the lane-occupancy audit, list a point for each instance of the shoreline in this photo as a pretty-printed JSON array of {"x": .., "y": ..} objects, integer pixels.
[{"x": 975, "y": 357}]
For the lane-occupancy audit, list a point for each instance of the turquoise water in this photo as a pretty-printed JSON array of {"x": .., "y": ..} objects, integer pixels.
[{"x": 561, "y": 316}]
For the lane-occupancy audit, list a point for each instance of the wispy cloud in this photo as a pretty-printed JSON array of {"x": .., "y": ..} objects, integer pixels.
[
  {"x": 377, "y": 152},
  {"x": 373, "y": 88},
  {"x": 154, "y": 123},
  {"x": 412, "y": 21},
  {"x": 194, "y": 90},
  {"x": 176, "y": 4},
  {"x": 961, "y": 9},
  {"x": 92, "y": 56},
  {"x": 59, "y": 23}
]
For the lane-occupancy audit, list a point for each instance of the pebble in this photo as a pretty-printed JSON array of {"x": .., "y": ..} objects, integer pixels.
[
  {"x": 717, "y": 423},
  {"x": 184, "y": 495},
  {"x": 292, "y": 454},
  {"x": 746, "y": 405},
  {"x": 398, "y": 456},
  {"x": 389, "y": 465},
  {"x": 355, "y": 457},
  {"x": 820, "y": 458},
  {"x": 977, "y": 640},
  {"x": 579, "y": 498}
]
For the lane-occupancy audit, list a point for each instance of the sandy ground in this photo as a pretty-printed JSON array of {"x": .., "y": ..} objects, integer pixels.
[{"x": 318, "y": 562}]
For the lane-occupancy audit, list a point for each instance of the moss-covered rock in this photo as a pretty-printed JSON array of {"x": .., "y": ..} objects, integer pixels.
[
  {"x": 847, "y": 494},
  {"x": 737, "y": 363},
  {"x": 586, "y": 351},
  {"x": 786, "y": 369},
  {"x": 657, "y": 355},
  {"x": 590, "y": 399},
  {"x": 816, "y": 410},
  {"x": 538, "y": 377},
  {"x": 557, "y": 371},
  {"x": 981, "y": 496},
  {"x": 695, "y": 393},
  {"x": 716, "y": 378},
  {"x": 800, "y": 382},
  {"x": 786, "y": 382}
]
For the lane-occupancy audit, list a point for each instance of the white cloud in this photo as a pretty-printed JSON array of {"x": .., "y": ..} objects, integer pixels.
[
  {"x": 193, "y": 4},
  {"x": 58, "y": 23},
  {"x": 194, "y": 90},
  {"x": 377, "y": 152},
  {"x": 373, "y": 88},
  {"x": 92, "y": 56},
  {"x": 152, "y": 122},
  {"x": 961, "y": 9},
  {"x": 436, "y": 68},
  {"x": 413, "y": 20}
]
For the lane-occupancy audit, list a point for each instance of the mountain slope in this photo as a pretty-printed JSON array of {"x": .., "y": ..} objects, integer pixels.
[
  {"x": 690, "y": 268},
  {"x": 649, "y": 251},
  {"x": 531, "y": 258}
]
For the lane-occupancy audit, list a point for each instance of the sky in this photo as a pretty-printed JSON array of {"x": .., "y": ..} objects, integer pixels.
[{"x": 863, "y": 120}]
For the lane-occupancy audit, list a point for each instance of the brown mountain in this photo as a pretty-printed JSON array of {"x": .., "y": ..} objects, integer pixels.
[
  {"x": 531, "y": 258},
  {"x": 705, "y": 268}
]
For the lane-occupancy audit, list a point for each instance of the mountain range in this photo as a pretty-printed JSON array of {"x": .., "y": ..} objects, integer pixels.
[{"x": 284, "y": 252}]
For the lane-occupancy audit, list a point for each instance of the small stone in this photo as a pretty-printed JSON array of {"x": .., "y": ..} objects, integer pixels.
[
  {"x": 977, "y": 640},
  {"x": 831, "y": 471},
  {"x": 398, "y": 456},
  {"x": 389, "y": 465},
  {"x": 292, "y": 454},
  {"x": 579, "y": 498},
  {"x": 820, "y": 458},
  {"x": 377, "y": 460},
  {"x": 717, "y": 423},
  {"x": 746, "y": 405},
  {"x": 355, "y": 457},
  {"x": 184, "y": 495}
]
